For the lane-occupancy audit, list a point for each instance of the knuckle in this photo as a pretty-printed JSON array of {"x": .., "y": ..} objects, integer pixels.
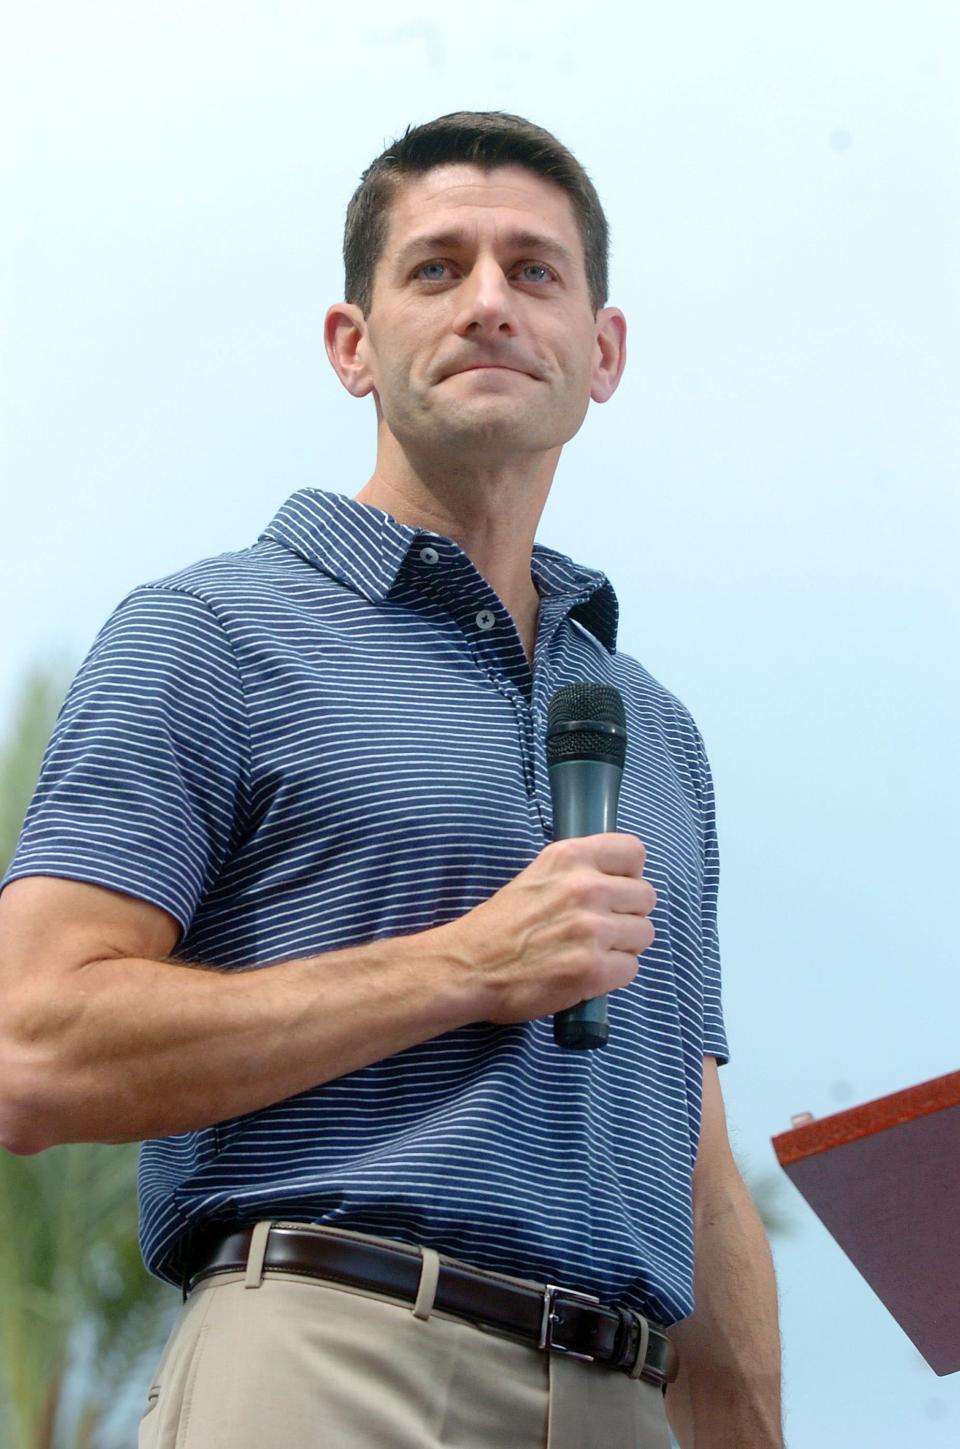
[
  {"x": 592, "y": 925},
  {"x": 629, "y": 962},
  {"x": 588, "y": 930},
  {"x": 582, "y": 886}
]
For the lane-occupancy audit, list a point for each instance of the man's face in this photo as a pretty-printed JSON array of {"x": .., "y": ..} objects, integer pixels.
[{"x": 480, "y": 330}]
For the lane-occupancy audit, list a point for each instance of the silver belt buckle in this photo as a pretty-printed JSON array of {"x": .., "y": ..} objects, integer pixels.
[{"x": 549, "y": 1318}]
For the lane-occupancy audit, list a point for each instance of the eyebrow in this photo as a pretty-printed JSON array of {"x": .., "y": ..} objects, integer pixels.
[{"x": 525, "y": 241}]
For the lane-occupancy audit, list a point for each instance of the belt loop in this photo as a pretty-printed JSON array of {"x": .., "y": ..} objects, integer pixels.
[
  {"x": 258, "y": 1248},
  {"x": 644, "y": 1345},
  {"x": 427, "y": 1289},
  {"x": 186, "y": 1250}
]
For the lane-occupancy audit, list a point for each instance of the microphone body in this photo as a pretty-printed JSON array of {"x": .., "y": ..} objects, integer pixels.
[{"x": 586, "y": 747}]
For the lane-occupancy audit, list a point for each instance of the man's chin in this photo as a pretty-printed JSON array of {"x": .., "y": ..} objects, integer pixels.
[
  {"x": 497, "y": 434},
  {"x": 489, "y": 414},
  {"x": 497, "y": 425}
]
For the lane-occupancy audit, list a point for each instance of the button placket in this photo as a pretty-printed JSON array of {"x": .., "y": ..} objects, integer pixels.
[
  {"x": 527, "y": 744},
  {"x": 541, "y": 792}
]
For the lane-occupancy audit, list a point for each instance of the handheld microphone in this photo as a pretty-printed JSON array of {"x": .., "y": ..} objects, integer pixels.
[{"x": 586, "y": 749}]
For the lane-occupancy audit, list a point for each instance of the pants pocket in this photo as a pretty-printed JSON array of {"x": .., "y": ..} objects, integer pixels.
[
  {"x": 173, "y": 1377},
  {"x": 146, "y": 1435}
]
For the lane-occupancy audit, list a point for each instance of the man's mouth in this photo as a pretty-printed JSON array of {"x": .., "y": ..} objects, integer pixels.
[{"x": 489, "y": 367}]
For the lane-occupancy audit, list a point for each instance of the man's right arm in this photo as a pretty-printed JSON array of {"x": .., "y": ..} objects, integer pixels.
[{"x": 103, "y": 1040}]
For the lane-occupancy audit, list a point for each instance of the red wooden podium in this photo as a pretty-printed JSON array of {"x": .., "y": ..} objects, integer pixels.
[{"x": 884, "y": 1179}]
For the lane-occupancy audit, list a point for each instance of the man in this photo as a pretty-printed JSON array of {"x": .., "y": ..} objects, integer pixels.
[{"x": 316, "y": 767}]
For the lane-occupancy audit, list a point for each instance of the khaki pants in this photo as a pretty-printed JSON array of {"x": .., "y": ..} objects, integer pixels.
[{"x": 281, "y": 1361}]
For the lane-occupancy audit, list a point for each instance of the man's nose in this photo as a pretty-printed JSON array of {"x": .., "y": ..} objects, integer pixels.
[{"x": 486, "y": 301}]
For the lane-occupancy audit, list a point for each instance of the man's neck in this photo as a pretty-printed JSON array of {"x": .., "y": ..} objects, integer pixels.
[{"x": 493, "y": 519}]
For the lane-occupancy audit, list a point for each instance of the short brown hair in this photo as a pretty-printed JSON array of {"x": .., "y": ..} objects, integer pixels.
[{"x": 479, "y": 138}]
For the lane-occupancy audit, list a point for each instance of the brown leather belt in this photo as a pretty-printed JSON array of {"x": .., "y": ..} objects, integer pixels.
[{"x": 552, "y": 1318}]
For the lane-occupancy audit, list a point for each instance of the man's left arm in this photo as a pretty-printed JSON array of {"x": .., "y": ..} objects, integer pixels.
[{"x": 727, "y": 1394}]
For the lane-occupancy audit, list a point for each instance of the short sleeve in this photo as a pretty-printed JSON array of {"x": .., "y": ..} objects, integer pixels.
[
  {"x": 145, "y": 781},
  {"x": 715, "y": 1035}
]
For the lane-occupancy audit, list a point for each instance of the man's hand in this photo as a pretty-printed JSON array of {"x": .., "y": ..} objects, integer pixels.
[{"x": 567, "y": 928}]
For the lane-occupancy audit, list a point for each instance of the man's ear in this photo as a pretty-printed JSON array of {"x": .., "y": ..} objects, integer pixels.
[
  {"x": 344, "y": 335},
  {"x": 611, "y": 353}
]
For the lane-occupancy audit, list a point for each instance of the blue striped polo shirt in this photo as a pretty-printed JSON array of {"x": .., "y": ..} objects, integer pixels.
[{"x": 332, "y": 737}]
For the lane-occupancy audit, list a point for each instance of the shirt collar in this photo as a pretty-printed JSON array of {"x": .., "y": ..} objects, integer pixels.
[{"x": 365, "y": 549}]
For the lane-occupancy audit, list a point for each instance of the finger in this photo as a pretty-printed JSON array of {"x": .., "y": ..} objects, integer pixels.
[
  {"x": 630, "y": 897},
  {"x": 613, "y": 852},
  {"x": 630, "y": 934},
  {"x": 617, "y": 893}
]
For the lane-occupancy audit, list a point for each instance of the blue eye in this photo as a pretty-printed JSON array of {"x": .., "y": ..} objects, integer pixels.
[
  {"x": 424, "y": 270},
  {"x": 537, "y": 267}
]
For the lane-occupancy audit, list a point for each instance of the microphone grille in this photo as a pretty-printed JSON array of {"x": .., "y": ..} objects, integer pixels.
[{"x": 599, "y": 723}]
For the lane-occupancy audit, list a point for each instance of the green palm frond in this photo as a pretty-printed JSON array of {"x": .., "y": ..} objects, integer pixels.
[
  {"x": 74, "y": 1285},
  {"x": 34, "y": 715},
  {"x": 768, "y": 1196},
  {"x": 79, "y": 1315}
]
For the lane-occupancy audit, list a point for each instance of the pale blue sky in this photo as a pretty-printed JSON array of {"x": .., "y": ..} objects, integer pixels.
[{"x": 773, "y": 490}]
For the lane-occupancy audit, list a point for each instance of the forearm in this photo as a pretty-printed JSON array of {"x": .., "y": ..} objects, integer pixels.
[
  {"x": 727, "y": 1395},
  {"x": 135, "y": 1048}
]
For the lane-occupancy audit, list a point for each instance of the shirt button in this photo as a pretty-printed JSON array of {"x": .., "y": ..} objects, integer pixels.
[
  {"x": 485, "y": 620},
  {"x": 429, "y": 555}
]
